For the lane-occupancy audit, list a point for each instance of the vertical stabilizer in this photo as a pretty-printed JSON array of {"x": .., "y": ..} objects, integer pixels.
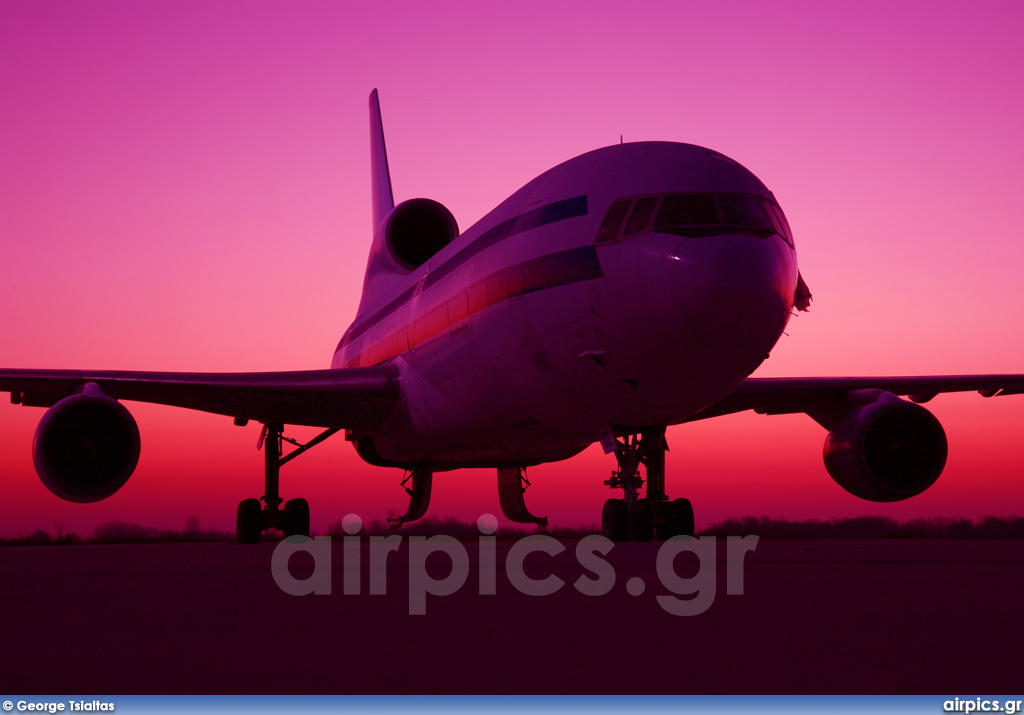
[
  {"x": 380, "y": 177},
  {"x": 404, "y": 238},
  {"x": 383, "y": 272}
]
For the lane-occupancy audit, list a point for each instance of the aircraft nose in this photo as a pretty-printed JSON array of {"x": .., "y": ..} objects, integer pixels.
[
  {"x": 733, "y": 290},
  {"x": 710, "y": 292}
]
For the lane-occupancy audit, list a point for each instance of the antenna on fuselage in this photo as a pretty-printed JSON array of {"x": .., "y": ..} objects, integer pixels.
[{"x": 620, "y": 140}]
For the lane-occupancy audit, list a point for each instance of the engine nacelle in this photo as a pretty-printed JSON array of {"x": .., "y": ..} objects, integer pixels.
[
  {"x": 86, "y": 446},
  {"x": 417, "y": 229},
  {"x": 886, "y": 450}
]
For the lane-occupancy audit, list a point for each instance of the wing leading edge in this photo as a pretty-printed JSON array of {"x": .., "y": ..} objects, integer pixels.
[
  {"x": 359, "y": 398},
  {"x": 788, "y": 395},
  {"x": 363, "y": 398}
]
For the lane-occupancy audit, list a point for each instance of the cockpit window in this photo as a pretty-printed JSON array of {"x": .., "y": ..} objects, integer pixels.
[
  {"x": 780, "y": 218},
  {"x": 613, "y": 222},
  {"x": 687, "y": 210},
  {"x": 744, "y": 211},
  {"x": 641, "y": 215},
  {"x": 696, "y": 215}
]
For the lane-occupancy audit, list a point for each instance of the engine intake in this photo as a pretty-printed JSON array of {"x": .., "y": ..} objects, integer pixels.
[
  {"x": 417, "y": 229},
  {"x": 886, "y": 450},
  {"x": 86, "y": 446}
]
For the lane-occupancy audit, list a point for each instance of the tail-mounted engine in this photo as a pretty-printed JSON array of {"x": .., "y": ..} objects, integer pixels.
[
  {"x": 885, "y": 449},
  {"x": 417, "y": 229},
  {"x": 86, "y": 446}
]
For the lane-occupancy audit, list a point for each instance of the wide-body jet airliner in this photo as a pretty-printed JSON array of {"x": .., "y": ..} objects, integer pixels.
[{"x": 630, "y": 288}]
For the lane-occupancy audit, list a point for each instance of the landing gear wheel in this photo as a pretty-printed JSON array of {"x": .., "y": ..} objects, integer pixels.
[
  {"x": 678, "y": 519},
  {"x": 295, "y": 519},
  {"x": 615, "y": 520},
  {"x": 641, "y": 521},
  {"x": 249, "y": 521}
]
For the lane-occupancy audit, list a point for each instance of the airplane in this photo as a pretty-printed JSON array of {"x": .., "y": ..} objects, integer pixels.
[{"x": 631, "y": 288}]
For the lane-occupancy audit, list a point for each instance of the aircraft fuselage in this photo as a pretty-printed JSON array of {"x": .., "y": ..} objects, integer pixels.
[{"x": 631, "y": 286}]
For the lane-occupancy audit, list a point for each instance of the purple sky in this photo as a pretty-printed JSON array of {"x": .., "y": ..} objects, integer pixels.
[{"x": 184, "y": 186}]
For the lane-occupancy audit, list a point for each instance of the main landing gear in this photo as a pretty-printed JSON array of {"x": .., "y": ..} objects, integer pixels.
[
  {"x": 633, "y": 518},
  {"x": 254, "y": 518},
  {"x": 512, "y": 483},
  {"x": 422, "y": 479}
]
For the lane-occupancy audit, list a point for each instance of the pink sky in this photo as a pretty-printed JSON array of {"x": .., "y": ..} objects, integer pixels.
[{"x": 184, "y": 186}]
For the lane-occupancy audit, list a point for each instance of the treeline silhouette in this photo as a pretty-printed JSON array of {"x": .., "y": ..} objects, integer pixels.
[
  {"x": 860, "y": 527},
  {"x": 459, "y": 529},
  {"x": 124, "y": 532},
  {"x": 872, "y": 527}
]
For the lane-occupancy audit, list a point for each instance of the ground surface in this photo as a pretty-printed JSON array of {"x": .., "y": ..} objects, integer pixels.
[{"x": 816, "y": 617}]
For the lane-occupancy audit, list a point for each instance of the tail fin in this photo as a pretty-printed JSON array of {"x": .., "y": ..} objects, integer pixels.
[
  {"x": 403, "y": 238},
  {"x": 383, "y": 273},
  {"x": 380, "y": 176}
]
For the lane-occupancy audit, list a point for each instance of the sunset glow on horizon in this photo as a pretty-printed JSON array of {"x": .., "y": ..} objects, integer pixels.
[{"x": 185, "y": 187}]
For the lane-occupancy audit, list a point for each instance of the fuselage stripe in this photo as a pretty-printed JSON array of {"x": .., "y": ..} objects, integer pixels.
[
  {"x": 558, "y": 211},
  {"x": 535, "y": 218},
  {"x": 550, "y": 271}
]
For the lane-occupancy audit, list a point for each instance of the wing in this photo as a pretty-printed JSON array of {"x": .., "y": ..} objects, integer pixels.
[
  {"x": 786, "y": 395},
  {"x": 358, "y": 398}
]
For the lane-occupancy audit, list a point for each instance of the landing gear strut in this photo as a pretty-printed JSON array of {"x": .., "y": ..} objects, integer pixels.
[
  {"x": 635, "y": 518},
  {"x": 419, "y": 496},
  {"x": 512, "y": 484},
  {"x": 254, "y": 518}
]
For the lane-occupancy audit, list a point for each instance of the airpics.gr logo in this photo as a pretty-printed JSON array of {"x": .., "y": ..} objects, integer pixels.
[
  {"x": 687, "y": 596},
  {"x": 979, "y": 705}
]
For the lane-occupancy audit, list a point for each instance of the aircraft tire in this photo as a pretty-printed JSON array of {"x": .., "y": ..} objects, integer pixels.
[
  {"x": 615, "y": 520},
  {"x": 641, "y": 521},
  {"x": 249, "y": 521},
  {"x": 296, "y": 518},
  {"x": 678, "y": 519}
]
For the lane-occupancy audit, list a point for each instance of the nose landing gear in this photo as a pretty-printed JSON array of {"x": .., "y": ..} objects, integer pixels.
[{"x": 633, "y": 518}]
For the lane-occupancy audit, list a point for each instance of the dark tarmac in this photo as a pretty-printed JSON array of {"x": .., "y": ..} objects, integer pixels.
[{"x": 816, "y": 617}]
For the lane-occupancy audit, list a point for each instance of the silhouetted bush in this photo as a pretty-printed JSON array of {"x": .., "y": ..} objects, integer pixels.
[
  {"x": 121, "y": 532},
  {"x": 40, "y": 537}
]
